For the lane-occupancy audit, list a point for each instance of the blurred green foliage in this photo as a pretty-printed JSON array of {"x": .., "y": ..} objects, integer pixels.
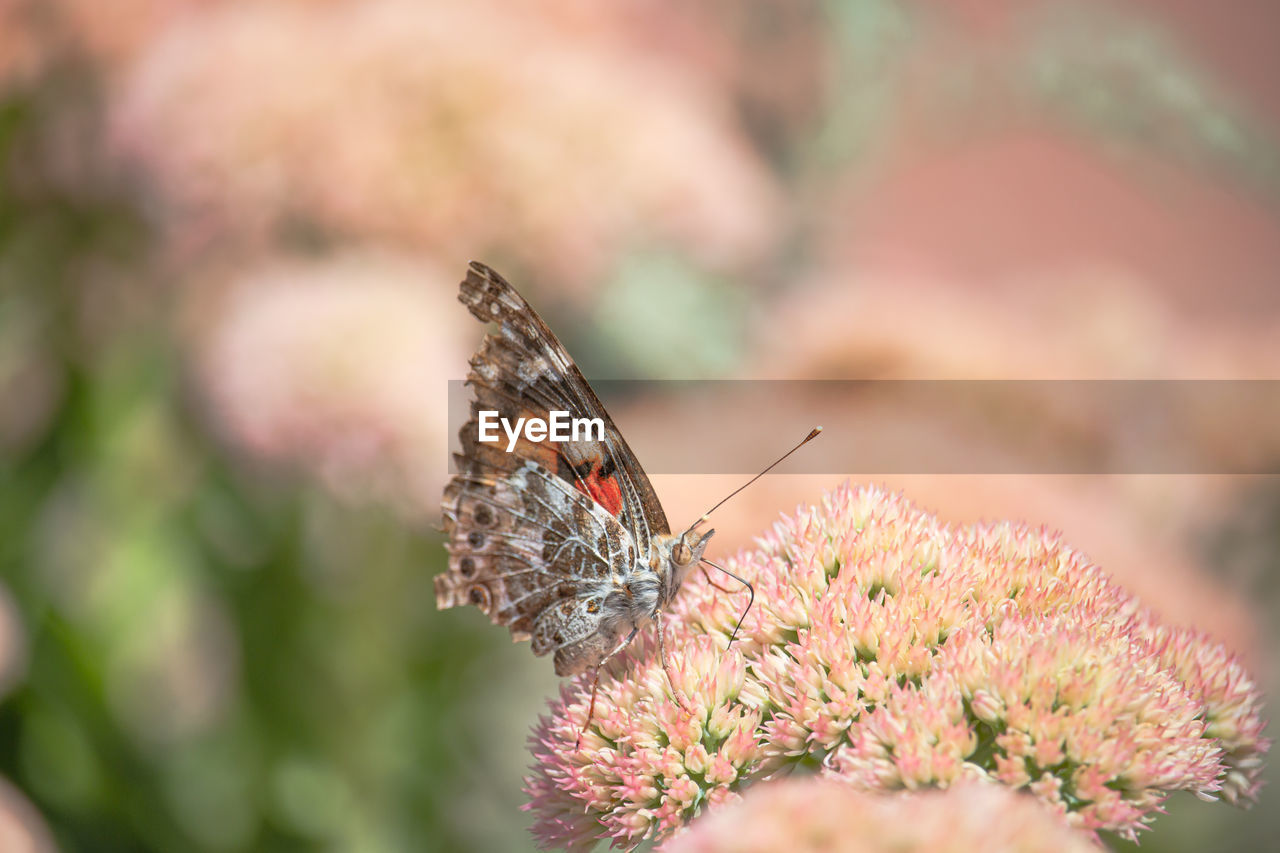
[{"x": 219, "y": 658}]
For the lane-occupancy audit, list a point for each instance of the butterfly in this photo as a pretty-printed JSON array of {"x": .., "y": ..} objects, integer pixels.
[{"x": 563, "y": 542}]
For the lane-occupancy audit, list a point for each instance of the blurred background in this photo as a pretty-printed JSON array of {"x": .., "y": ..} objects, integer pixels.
[{"x": 231, "y": 233}]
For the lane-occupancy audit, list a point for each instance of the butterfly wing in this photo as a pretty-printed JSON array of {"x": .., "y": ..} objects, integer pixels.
[
  {"x": 535, "y": 534},
  {"x": 539, "y": 556}
]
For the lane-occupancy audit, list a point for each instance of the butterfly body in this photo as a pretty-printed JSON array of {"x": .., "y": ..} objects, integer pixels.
[{"x": 565, "y": 543}]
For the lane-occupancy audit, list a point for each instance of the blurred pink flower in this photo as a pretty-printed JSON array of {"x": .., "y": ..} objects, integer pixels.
[
  {"x": 37, "y": 33},
  {"x": 339, "y": 367},
  {"x": 112, "y": 34},
  {"x": 22, "y": 50},
  {"x": 454, "y": 128},
  {"x": 813, "y": 815},
  {"x": 1026, "y": 251},
  {"x": 22, "y": 829},
  {"x": 894, "y": 651}
]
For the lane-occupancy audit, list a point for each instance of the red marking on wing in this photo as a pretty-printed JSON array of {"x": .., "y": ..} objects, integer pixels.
[{"x": 603, "y": 490}]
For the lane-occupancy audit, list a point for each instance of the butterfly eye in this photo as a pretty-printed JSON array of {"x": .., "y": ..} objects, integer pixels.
[{"x": 681, "y": 555}]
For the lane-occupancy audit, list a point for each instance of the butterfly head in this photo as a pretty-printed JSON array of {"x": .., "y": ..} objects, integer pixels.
[
  {"x": 688, "y": 549},
  {"x": 682, "y": 553}
]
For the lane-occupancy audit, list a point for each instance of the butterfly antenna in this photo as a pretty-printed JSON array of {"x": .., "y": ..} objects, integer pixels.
[
  {"x": 813, "y": 433},
  {"x": 751, "y": 591}
]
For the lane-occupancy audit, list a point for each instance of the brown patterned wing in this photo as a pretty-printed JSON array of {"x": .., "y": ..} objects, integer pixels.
[
  {"x": 524, "y": 370},
  {"x": 536, "y": 532},
  {"x": 537, "y": 555}
]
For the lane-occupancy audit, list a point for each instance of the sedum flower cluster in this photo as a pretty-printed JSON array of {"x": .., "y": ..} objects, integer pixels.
[{"x": 892, "y": 651}]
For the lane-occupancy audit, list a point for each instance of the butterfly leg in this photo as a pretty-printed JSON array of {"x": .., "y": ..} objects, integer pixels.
[
  {"x": 666, "y": 666},
  {"x": 706, "y": 575},
  {"x": 595, "y": 685},
  {"x": 591, "y": 709}
]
